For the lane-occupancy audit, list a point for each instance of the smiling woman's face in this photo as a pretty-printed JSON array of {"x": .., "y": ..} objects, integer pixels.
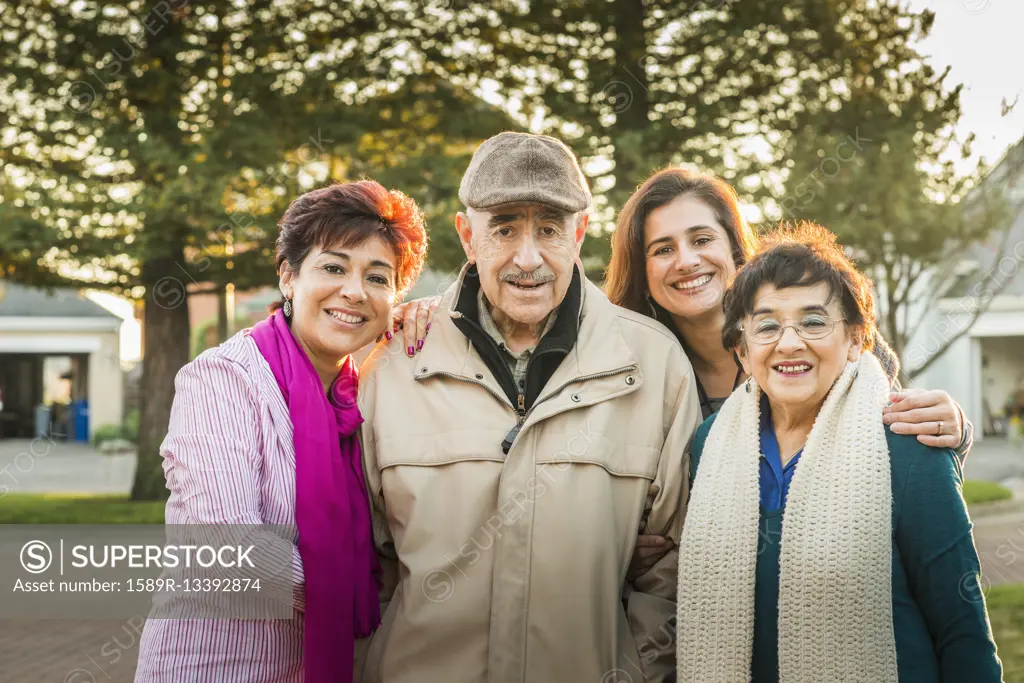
[
  {"x": 796, "y": 373},
  {"x": 341, "y": 298},
  {"x": 689, "y": 258}
]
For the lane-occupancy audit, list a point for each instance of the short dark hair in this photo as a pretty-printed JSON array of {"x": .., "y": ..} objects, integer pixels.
[
  {"x": 348, "y": 214},
  {"x": 801, "y": 255},
  {"x": 626, "y": 278}
]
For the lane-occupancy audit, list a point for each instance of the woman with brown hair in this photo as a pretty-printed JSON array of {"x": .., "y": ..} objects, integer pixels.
[{"x": 678, "y": 243}]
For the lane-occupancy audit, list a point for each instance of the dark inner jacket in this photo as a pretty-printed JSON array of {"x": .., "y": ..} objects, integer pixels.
[{"x": 545, "y": 359}]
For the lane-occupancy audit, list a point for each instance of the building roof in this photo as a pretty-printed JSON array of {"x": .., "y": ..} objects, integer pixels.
[
  {"x": 1005, "y": 267},
  {"x": 21, "y": 301},
  {"x": 1007, "y": 176}
]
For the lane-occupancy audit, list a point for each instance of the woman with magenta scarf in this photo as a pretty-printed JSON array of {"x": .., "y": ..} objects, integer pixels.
[{"x": 264, "y": 431}]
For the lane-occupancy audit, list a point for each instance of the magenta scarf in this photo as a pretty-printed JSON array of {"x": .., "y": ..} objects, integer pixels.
[{"x": 332, "y": 509}]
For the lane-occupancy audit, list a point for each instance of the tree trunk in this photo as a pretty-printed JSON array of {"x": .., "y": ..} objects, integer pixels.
[
  {"x": 166, "y": 335},
  {"x": 630, "y": 98},
  {"x": 222, "y": 315}
]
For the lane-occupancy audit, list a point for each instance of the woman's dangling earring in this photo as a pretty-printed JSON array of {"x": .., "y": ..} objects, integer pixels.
[
  {"x": 287, "y": 308},
  {"x": 748, "y": 385}
]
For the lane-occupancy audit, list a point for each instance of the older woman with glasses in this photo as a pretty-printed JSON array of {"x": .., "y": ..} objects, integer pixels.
[{"x": 819, "y": 545}]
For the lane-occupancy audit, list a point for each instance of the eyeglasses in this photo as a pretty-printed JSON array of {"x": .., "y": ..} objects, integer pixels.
[{"x": 769, "y": 331}]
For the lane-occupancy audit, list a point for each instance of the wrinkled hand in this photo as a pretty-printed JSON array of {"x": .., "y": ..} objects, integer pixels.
[
  {"x": 916, "y": 411},
  {"x": 413, "y": 318},
  {"x": 646, "y": 553}
]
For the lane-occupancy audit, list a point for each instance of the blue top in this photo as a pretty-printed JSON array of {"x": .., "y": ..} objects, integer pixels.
[
  {"x": 775, "y": 478},
  {"x": 939, "y": 620}
]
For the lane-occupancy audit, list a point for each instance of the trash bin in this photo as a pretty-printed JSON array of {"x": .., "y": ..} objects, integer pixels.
[
  {"x": 80, "y": 420},
  {"x": 43, "y": 413}
]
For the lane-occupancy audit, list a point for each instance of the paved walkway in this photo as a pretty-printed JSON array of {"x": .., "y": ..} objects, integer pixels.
[
  {"x": 44, "y": 466},
  {"x": 999, "y": 536},
  {"x": 66, "y": 651},
  {"x": 995, "y": 459},
  {"x": 69, "y": 651}
]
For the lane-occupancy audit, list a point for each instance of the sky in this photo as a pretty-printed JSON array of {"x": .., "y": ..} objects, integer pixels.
[{"x": 982, "y": 42}]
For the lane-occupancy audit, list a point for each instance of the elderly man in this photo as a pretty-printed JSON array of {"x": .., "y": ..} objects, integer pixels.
[{"x": 511, "y": 463}]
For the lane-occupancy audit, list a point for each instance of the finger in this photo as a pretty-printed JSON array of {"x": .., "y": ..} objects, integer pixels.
[
  {"x": 651, "y": 556},
  {"x": 435, "y": 303},
  {"x": 908, "y": 400},
  {"x": 925, "y": 428},
  {"x": 945, "y": 441},
  {"x": 917, "y": 416},
  {"x": 647, "y": 553},
  {"x": 422, "y": 318},
  {"x": 650, "y": 541},
  {"x": 409, "y": 327},
  {"x": 897, "y": 396},
  {"x": 397, "y": 313}
]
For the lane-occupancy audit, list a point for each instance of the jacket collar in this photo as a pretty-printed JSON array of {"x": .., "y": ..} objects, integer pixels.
[
  {"x": 598, "y": 346},
  {"x": 563, "y": 334}
]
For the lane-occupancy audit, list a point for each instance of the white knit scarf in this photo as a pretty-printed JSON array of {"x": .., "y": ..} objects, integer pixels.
[{"x": 835, "y": 587}]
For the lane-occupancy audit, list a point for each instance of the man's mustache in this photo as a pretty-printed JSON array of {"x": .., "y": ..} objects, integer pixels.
[{"x": 535, "y": 277}]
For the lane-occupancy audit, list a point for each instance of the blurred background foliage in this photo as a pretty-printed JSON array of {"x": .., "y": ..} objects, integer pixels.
[{"x": 149, "y": 146}]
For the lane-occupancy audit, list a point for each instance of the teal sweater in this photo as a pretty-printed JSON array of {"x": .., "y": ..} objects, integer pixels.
[{"x": 939, "y": 618}]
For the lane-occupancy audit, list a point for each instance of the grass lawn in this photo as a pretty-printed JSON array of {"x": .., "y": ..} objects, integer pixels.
[
  {"x": 70, "y": 509},
  {"x": 1006, "y": 610},
  {"x": 984, "y": 492}
]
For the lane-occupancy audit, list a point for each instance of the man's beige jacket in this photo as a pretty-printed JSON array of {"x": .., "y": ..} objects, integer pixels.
[{"x": 511, "y": 568}]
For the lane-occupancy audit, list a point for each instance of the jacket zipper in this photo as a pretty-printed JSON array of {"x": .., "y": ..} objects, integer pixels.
[
  {"x": 524, "y": 415},
  {"x": 461, "y": 378},
  {"x": 521, "y": 413},
  {"x": 585, "y": 378},
  {"x": 521, "y": 410}
]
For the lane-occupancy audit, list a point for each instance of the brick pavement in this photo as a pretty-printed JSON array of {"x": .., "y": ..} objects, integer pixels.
[{"x": 72, "y": 651}]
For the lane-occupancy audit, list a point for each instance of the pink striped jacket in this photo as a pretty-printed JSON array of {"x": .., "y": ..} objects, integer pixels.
[{"x": 228, "y": 458}]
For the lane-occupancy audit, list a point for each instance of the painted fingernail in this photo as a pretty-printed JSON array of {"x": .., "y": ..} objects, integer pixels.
[
  {"x": 410, "y": 351},
  {"x": 428, "y": 328},
  {"x": 388, "y": 335},
  {"x": 419, "y": 345}
]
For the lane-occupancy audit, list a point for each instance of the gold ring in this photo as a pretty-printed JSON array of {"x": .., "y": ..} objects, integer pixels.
[{"x": 938, "y": 432}]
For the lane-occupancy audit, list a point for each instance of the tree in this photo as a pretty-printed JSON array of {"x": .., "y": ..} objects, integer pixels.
[
  {"x": 633, "y": 85},
  {"x": 972, "y": 275},
  {"x": 150, "y": 146},
  {"x": 870, "y": 158}
]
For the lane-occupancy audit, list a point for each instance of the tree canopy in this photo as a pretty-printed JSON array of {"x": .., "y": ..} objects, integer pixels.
[{"x": 150, "y": 146}]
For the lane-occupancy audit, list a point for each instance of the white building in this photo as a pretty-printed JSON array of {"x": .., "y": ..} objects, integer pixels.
[
  {"x": 56, "y": 348},
  {"x": 984, "y": 368}
]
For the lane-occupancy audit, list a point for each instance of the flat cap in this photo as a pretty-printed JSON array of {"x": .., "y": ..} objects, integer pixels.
[{"x": 520, "y": 167}]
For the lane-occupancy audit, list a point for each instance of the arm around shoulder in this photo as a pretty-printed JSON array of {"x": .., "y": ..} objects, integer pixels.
[
  {"x": 651, "y": 606},
  {"x": 934, "y": 536}
]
